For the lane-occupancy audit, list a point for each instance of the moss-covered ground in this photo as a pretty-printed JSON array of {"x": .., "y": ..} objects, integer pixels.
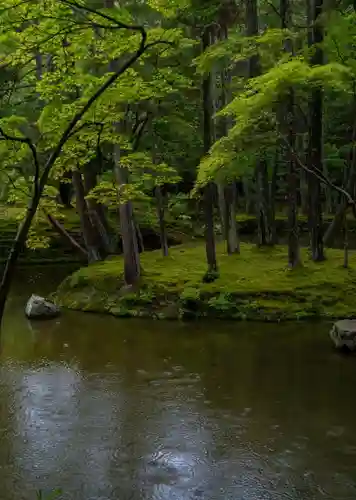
[{"x": 256, "y": 284}]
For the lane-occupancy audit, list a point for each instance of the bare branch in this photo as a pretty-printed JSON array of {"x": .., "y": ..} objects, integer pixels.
[
  {"x": 119, "y": 24},
  {"x": 319, "y": 175},
  {"x": 64, "y": 233}
]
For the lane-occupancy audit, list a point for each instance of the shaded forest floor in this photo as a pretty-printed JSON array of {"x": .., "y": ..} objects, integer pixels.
[
  {"x": 182, "y": 229},
  {"x": 255, "y": 285}
]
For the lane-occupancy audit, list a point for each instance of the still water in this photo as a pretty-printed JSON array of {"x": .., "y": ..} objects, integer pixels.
[{"x": 120, "y": 410}]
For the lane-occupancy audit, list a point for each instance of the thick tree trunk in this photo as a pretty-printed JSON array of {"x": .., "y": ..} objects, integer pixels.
[
  {"x": 89, "y": 232},
  {"x": 315, "y": 146},
  {"x": 161, "y": 221},
  {"x": 209, "y": 188}
]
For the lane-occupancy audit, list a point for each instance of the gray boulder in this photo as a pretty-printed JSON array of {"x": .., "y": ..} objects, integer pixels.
[
  {"x": 39, "y": 308},
  {"x": 343, "y": 334}
]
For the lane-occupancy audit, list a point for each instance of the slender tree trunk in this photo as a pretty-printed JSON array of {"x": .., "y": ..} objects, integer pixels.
[
  {"x": 230, "y": 191},
  {"x": 249, "y": 201},
  {"x": 222, "y": 206},
  {"x": 162, "y": 224},
  {"x": 265, "y": 233},
  {"x": 209, "y": 188},
  {"x": 132, "y": 269},
  {"x": 89, "y": 233},
  {"x": 96, "y": 211},
  {"x": 289, "y": 130},
  {"x": 273, "y": 195},
  {"x": 231, "y": 236},
  {"x": 346, "y": 242},
  {"x": 315, "y": 146},
  {"x": 140, "y": 241},
  {"x": 293, "y": 237}
]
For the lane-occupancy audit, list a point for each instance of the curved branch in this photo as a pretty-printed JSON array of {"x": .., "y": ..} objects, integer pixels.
[
  {"x": 25, "y": 140},
  {"x": 119, "y": 24}
]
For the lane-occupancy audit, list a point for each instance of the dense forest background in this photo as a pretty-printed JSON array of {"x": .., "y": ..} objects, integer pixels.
[{"x": 189, "y": 112}]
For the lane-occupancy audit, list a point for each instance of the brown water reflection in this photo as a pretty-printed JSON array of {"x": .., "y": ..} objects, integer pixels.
[{"x": 110, "y": 409}]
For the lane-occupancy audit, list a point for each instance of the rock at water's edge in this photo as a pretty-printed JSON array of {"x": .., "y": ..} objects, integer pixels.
[
  {"x": 343, "y": 334},
  {"x": 39, "y": 308}
]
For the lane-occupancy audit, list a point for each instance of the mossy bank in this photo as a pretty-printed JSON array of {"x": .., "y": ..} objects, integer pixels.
[{"x": 255, "y": 285}]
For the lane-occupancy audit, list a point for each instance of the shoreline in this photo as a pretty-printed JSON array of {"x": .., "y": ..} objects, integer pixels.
[{"x": 253, "y": 286}]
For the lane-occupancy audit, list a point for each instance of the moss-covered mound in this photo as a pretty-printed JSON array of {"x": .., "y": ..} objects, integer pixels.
[{"x": 254, "y": 285}]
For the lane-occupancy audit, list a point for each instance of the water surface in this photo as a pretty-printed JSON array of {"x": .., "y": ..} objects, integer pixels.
[{"x": 118, "y": 410}]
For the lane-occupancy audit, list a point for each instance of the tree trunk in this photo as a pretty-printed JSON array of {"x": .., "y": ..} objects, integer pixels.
[
  {"x": 293, "y": 237},
  {"x": 265, "y": 233},
  {"x": 273, "y": 196},
  {"x": 96, "y": 211},
  {"x": 132, "y": 269},
  {"x": 209, "y": 188},
  {"x": 89, "y": 233},
  {"x": 230, "y": 191},
  {"x": 162, "y": 225},
  {"x": 249, "y": 201},
  {"x": 264, "y": 228},
  {"x": 141, "y": 245},
  {"x": 346, "y": 242},
  {"x": 231, "y": 232},
  {"x": 315, "y": 146},
  {"x": 289, "y": 130}
]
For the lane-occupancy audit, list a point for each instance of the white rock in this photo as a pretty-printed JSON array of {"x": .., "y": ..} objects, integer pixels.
[
  {"x": 343, "y": 334},
  {"x": 39, "y": 308}
]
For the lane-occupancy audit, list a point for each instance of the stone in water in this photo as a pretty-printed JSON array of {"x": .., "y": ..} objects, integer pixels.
[
  {"x": 343, "y": 334},
  {"x": 39, "y": 308}
]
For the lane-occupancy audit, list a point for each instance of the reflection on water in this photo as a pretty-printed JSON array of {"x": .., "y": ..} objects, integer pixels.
[{"x": 110, "y": 409}]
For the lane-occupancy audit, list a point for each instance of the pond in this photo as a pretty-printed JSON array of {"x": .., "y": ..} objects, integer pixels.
[{"x": 123, "y": 409}]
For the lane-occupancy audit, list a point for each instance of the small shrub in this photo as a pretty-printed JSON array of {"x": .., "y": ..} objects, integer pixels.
[
  {"x": 190, "y": 299},
  {"x": 222, "y": 303}
]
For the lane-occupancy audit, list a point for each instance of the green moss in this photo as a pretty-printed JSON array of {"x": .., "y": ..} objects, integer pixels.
[{"x": 254, "y": 285}]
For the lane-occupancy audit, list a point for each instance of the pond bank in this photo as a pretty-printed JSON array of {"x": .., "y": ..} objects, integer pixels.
[{"x": 256, "y": 285}]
